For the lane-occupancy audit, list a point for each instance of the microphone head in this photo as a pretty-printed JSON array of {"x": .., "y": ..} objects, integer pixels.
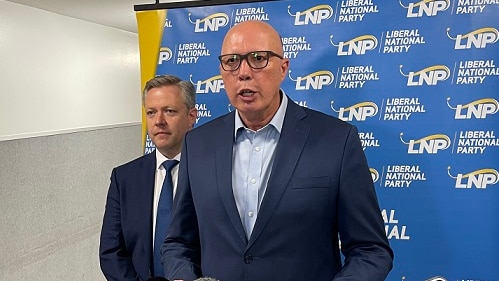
[
  {"x": 206, "y": 279},
  {"x": 157, "y": 279}
]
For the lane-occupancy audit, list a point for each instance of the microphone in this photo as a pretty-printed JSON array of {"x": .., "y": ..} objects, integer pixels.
[
  {"x": 206, "y": 279},
  {"x": 157, "y": 279}
]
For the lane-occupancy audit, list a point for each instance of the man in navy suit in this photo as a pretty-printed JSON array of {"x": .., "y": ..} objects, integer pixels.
[
  {"x": 267, "y": 191},
  {"x": 126, "y": 242}
]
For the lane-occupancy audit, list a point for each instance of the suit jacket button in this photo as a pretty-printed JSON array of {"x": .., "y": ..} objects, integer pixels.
[{"x": 248, "y": 259}]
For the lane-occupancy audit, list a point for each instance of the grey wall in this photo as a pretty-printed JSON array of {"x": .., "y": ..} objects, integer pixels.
[
  {"x": 70, "y": 111},
  {"x": 53, "y": 191}
]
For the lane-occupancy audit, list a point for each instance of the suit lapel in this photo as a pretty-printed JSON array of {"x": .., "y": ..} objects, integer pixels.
[
  {"x": 145, "y": 198},
  {"x": 224, "y": 172},
  {"x": 295, "y": 131}
]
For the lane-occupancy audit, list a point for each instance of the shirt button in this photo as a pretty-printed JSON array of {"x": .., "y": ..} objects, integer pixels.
[
  {"x": 250, "y": 214},
  {"x": 253, "y": 181},
  {"x": 257, "y": 148}
]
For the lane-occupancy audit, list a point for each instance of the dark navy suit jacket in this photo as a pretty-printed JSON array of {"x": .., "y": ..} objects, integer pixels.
[
  {"x": 320, "y": 188},
  {"x": 126, "y": 239}
]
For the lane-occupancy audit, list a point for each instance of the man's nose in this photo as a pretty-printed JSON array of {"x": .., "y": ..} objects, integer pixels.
[
  {"x": 160, "y": 119},
  {"x": 244, "y": 71}
]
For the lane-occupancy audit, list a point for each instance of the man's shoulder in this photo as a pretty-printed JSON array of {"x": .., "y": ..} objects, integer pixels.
[
  {"x": 137, "y": 162},
  {"x": 322, "y": 119},
  {"x": 211, "y": 126}
]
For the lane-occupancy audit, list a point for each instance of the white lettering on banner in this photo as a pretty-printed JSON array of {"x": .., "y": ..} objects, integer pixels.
[
  {"x": 203, "y": 112},
  {"x": 359, "y": 45},
  {"x": 245, "y": 14},
  {"x": 473, "y": 6},
  {"x": 302, "y": 103},
  {"x": 400, "y": 41},
  {"x": 475, "y": 142},
  {"x": 367, "y": 139},
  {"x": 473, "y": 72},
  {"x": 392, "y": 228},
  {"x": 189, "y": 53},
  {"x": 480, "y": 179},
  {"x": 214, "y": 85},
  {"x": 478, "y": 109},
  {"x": 398, "y": 109},
  {"x": 250, "y": 11},
  {"x": 359, "y": 112},
  {"x": 430, "y": 76},
  {"x": 469, "y": 9},
  {"x": 316, "y": 80},
  {"x": 431, "y": 144},
  {"x": 403, "y": 176},
  {"x": 292, "y": 46},
  {"x": 165, "y": 54},
  {"x": 478, "y": 39},
  {"x": 149, "y": 145},
  {"x": 210, "y": 23},
  {"x": 355, "y": 10},
  {"x": 313, "y": 15},
  {"x": 426, "y": 7},
  {"x": 356, "y": 76}
]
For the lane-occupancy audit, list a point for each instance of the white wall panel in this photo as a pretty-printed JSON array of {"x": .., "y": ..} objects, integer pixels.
[{"x": 59, "y": 74}]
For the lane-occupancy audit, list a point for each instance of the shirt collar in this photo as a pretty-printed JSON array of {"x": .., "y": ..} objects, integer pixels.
[
  {"x": 276, "y": 121},
  {"x": 160, "y": 158}
]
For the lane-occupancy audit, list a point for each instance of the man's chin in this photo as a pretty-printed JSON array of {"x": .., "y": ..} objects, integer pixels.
[{"x": 161, "y": 141}]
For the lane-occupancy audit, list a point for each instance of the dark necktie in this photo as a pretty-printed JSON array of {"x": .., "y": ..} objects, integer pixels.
[{"x": 163, "y": 217}]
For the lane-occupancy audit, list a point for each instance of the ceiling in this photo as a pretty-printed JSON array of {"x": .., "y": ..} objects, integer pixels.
[{"x": 114, "y": 13}]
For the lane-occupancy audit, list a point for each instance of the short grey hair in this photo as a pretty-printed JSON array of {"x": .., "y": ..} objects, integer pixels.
[{"x": 186, "y": 88}]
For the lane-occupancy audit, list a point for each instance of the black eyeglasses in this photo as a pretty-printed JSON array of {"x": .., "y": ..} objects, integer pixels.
[{"x": 256, "y": 60}]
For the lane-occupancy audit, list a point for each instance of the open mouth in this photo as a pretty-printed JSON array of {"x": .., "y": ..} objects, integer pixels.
[{"x": 247, "y": 93}]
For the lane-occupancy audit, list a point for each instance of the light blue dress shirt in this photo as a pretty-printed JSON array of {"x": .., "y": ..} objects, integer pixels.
[{"x": 253, "y": 157}]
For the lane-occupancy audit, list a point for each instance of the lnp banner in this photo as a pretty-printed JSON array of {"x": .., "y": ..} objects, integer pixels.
[{"x": 420, "y": 81}]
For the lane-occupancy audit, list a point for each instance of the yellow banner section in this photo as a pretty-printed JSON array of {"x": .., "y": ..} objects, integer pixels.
[{"x": 150, "y": 27}]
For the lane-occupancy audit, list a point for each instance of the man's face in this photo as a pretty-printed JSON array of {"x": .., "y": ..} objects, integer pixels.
[
  {"x": 167, "y": 119},
  {"x": 254, "y": 92}
]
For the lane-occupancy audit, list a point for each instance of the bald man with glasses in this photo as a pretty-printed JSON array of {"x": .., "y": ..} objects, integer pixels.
[{"x": 267, "y": 191}]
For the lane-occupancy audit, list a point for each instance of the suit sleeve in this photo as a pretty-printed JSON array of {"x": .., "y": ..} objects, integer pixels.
[
  {"x": 115, "y": 260},
  {"x": 368, "y": 255}
]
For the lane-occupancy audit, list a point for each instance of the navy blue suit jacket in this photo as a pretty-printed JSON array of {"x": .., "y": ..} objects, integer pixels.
[
  {"x": 126, "y": 238},
  {"x": 320, "y": 188}
]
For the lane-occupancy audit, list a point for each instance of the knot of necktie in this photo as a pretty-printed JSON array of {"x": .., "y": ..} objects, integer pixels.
[{"x": 169, "y": 164}]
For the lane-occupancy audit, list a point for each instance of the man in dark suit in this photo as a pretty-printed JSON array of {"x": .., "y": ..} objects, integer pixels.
[
  {"x": 128, "y": 229},
  {"x": 267, "y": 191}
]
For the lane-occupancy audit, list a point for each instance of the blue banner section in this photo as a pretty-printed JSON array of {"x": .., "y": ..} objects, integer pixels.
[{"x": 419, "y": 79}]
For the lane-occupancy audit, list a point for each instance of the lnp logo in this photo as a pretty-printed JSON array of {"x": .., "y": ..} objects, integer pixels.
[
  {"x": 430, "y": 75},
  {"x": 359, "y": 111},
  {"x": 478, "y": 38},
  {"x": 210, "y": 23},
  {"x": 428, "y": 7},
  {"x": 313, "y": 15},
  {"x": 165, "y": 54},
  {"x": 359, "y": 45},
  {"x": 430, "y": 144},
  {"x": 478, "y": 109},
  {"x": 479, "y": 179},
  {"x": 316, "y": 80},
  {"x": 436, "y": 278},
  {"x": 214, "y": 85},
  {"x": 374, "y": 174}
]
